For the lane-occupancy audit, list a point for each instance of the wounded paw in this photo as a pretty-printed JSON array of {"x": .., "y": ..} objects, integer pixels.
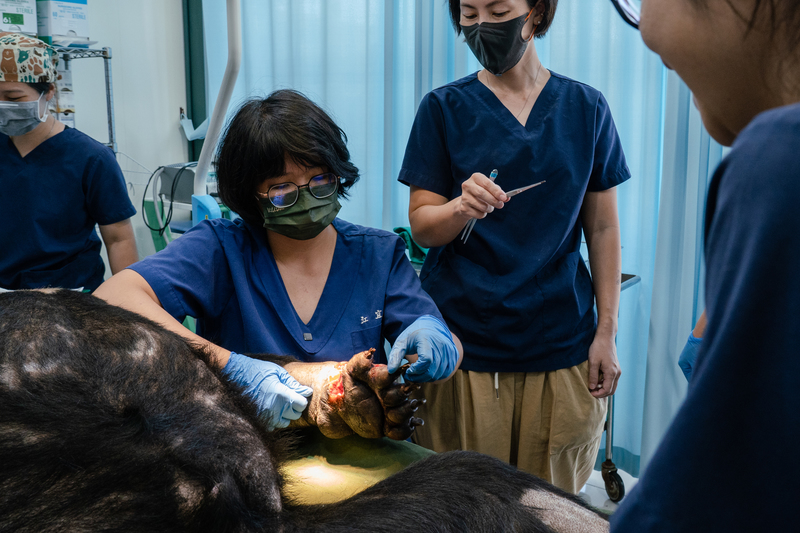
[{"x": 358, "y": 396}]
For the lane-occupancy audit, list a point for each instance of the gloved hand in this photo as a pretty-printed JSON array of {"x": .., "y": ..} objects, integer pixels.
[
  {"x": 689, "y": 356},
  {"x": 430, "y": 339},
  {"x": 278, "y": 396}
]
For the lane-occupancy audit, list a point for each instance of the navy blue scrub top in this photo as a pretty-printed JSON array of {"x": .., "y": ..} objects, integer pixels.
[
  {"x": 518, "y": 293},
  {"x": 729, "y": 461},
  {"x": 51, "y": 200},
  {"x": 224, "y": 274}
]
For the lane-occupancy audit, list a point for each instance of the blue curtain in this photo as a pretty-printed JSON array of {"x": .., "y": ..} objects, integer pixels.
[
  {"x": 369, "y": 62},
  {"x": 690, "y": 158}
]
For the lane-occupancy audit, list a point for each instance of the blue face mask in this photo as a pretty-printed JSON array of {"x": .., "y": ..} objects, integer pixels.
[{"x": 19, "y": 118}]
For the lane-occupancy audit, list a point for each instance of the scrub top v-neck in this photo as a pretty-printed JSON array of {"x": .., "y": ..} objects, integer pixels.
[
  {"x": 504, "y": 116},
  {"x": 51, "y": 200},
  {"x": 518, "y": 293},
  {"x": 338, "y": 288},
  {"x": 224, "y": 274}
]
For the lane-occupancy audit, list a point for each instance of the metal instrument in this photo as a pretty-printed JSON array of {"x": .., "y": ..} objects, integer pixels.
[
  {"x": 523, "y": 189},
  {"x": 471, "y": 223}
]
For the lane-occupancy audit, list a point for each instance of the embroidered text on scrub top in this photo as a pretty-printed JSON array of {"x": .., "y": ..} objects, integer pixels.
[{"x": 378, "y": 316}]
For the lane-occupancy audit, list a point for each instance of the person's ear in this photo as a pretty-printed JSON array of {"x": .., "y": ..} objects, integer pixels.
[
  {"x": 51, "y": 92},
  {"x": 538, "y": 12},
  {"x": 535, "y": 17}
]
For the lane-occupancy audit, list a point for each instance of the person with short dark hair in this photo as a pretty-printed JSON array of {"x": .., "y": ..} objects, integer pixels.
[
  {"x": 538, "y": 364},
  {"x": 729, "y": 462},
  {"x": 56, "y": 183},
  {"x": 288, "y": 277}
]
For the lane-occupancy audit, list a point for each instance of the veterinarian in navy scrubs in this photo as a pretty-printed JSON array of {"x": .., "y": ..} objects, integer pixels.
[
  {"x": 56, "y": 183},
  {"x": 729, "y": 461},
  {"x": 537, "y": 362},
  {"x": 288, "y": 278}
]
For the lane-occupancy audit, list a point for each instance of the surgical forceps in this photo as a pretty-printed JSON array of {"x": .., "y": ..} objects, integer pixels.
[{"x": 493, "y": 176}]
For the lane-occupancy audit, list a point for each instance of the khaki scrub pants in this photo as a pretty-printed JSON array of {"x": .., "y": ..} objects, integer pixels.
[{"x": 544, "y": 423}]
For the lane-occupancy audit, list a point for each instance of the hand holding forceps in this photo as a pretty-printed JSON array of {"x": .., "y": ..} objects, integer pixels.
[{"x": 493, "y": 176}]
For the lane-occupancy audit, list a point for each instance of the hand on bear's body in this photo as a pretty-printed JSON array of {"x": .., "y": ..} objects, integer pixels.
[
  {"x": 111, "y": 414},
  {"x": 357, "y": 396}
]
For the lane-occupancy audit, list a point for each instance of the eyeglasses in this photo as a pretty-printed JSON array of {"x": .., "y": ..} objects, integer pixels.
[
  {"x": 629, "y": 10},
  {"x": 286, "y": 194}
]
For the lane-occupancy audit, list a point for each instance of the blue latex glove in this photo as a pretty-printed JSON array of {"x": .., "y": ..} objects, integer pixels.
[
  {"x": 689, "y": 356},
  {"x": 430, "y": 339},
  {"x": 278, "y": 396}
]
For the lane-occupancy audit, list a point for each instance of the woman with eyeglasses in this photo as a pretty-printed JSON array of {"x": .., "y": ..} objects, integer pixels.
[
  {"x": 56, "y": 183},
  {"x": 288, "y": 278},
  {"x": 729, "y": 461}
]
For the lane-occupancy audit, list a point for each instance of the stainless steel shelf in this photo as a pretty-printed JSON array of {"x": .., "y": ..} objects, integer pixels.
[{"x": 68, "y": 53}]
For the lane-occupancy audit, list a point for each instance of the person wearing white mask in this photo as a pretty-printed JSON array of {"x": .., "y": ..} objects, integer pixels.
[{"x": 56, "y": 183}]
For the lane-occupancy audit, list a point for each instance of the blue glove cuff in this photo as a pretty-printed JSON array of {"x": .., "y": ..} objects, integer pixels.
[
  {"x": 435, "y": 323},
  {"x": 435, "y": 348},
  {"x": 234, "y": 364},
  {"x": 688, "y": 356},
  {"x": 693, "y": 339}
]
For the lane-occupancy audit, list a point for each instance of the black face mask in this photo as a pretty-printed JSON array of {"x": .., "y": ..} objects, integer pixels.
[{"x": 497, "y": 45}]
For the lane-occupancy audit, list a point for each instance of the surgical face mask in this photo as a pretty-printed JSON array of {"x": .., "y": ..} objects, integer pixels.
[
  {"x": 303, "y": 220},
  {"x": 19, "y": 118},
  {"x": 497, "y": 45}
]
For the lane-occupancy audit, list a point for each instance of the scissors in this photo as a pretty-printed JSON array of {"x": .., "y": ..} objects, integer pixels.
[{"x": 471, "y": 223}]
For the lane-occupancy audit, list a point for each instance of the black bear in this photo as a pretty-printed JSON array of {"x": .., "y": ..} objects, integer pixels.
[{"x": 108, "y": 422}]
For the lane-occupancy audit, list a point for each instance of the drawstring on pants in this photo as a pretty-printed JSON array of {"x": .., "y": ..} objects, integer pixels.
[{"x": 496, "y": 385}]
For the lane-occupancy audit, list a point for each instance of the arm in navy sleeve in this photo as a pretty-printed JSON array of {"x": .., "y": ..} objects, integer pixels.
[
  {"x": 426, "y": 163},
  {"x": 609, "y": 167},
  {"x": 107, "y": 198},
  {"x": 405, "y": 300},
  {"x": 191, "y": 276}
]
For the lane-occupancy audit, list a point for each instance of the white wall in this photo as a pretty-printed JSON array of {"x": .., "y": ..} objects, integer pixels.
[{"x": 148, "y": 77}]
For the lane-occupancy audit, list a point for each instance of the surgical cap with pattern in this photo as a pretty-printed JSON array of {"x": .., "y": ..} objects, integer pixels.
[{"x": 26, "y": 59}]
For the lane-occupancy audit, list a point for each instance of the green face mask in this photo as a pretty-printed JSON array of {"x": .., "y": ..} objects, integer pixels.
[{"x": 305, "y": 219}]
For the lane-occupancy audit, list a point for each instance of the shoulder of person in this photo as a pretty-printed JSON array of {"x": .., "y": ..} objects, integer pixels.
[
  {"x": 756, "y": 190},
  {"x": 88, "y": 145},
  {"x": 348, "y": 229},
  {"x": 779, "y": 124},
  {"x": 577, "y": 90},
  {"x": 219, "y": 227},
  {"x": 765, "y": 153},
  {"x": 453, "y": 88}
]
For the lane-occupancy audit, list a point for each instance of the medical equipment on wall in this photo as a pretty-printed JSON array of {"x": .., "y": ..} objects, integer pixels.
[
  {"x": 204, "y": 206},
  {"x": 171, "y": 187},
  {"x": 171, "y": 180},
  {"x": 629, "y": 10},
  {"x": 192, "y": 133}
]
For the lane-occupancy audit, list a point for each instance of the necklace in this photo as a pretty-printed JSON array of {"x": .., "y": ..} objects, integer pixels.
[
  {"x": 533, "y": 87},
  {"x": 535, "y": 78}
]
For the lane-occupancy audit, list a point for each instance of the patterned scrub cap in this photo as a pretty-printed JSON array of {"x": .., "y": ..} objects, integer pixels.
[{"x": 26, "y": 59}]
